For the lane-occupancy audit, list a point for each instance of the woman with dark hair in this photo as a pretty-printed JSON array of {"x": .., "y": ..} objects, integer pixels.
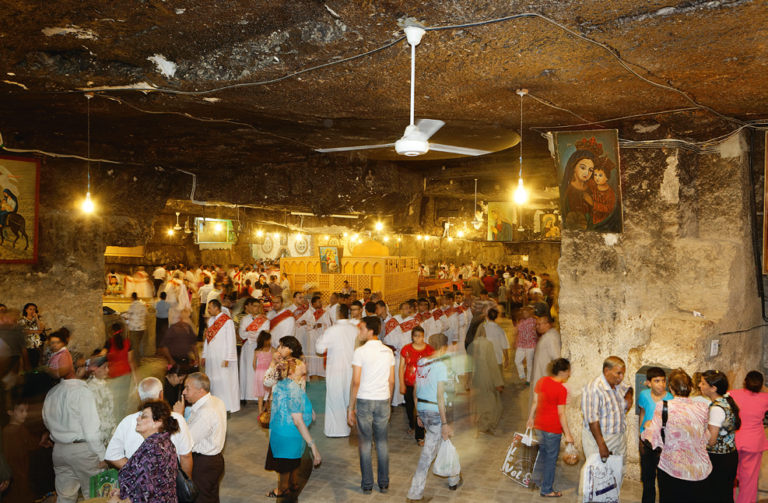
[
  {"x": 750, "y": 438},
  {"x": 60, "y": 365},
  {"x": 291, "y": 414},
  {"x": 149, "y": 476},
  {"x": 724, "y": 420},
  {"x": 575, "y": 184},
  {"x": 548, "y": 417},
  {"x": 32, "y": 326},
  {"x": 683, "y": 464},
  {"x": 173, "y": 384}
]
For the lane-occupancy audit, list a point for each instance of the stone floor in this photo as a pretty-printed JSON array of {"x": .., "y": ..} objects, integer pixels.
[{"x": 338, "y": 477}]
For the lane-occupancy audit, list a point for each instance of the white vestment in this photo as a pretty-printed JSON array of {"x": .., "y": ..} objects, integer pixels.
[
  {"x": 283, "y": 328},
  {"x": 143, "y": 286},
  {"x": 301, "y": 332},
  {"x": 315, "y": 365},
  {"x": 247, "y": 355},
  {"x": 339, "y": 341},
  {"x": 429, "y": 325},
  {"x": 224, "y": 380},
  {"x": 397, "y": 340},
  {"x": 176, "y": 292}
]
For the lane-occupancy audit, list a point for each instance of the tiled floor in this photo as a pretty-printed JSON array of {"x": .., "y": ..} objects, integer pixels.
[{"x": 338, "y": 477}]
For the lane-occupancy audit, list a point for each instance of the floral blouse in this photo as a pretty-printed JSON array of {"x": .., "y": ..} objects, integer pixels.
[
  {"x": 104, "y": 406},
  {"x": 726, "y": 438},
  {"x": 150, "y": 475},
  {"x": 33, "y": 340},
  {"x": 684, "y": 454}
]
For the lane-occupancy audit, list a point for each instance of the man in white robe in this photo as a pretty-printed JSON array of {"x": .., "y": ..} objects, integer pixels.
[
  {"x": 252, "y": 324},
  {"x": 441, "y": 323},
  {"x": 333, "y": 308},
  {"x": 398, "y": 337},
  {"x": 176, "y": 292},
  {"x": 315, "y": 321},
  {"x": 220, "y": 357},
  {"x": 339, "y": 342},
  {"x": 299, "y": 308},
  {"x": 424, "y": 317},
  {"x": 281, "y": 321},
  {"x": 453, "y": 321}
]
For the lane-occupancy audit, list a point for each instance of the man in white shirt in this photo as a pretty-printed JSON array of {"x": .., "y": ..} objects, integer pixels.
[
  {"x": 497, "y": 336},
  {"x": 70, "y": 414},
  {"x": 208, "y": 427},
  {"x": 136, "y": 319},
  {"x": 373, "y": 381},
  {"x": 220, "y": 352},
  {"x": 339, "y": 341},
  {"x": 159, "y": 276},
  {"x": 126, "y": 440}
]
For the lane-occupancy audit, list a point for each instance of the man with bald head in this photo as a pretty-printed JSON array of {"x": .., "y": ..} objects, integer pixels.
[{"x": 605, "y": 402}]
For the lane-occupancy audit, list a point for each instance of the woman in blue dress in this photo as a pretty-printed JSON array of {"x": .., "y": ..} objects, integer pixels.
[{"x": 291, "y": 414}]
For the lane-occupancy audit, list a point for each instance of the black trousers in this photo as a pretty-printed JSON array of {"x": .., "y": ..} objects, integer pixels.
[
  {"x": 410, "y": 410},
  {"x": 720, "y": 481},
  {"x": 673, "y": 490},
  {"x": 649, "y": 461},
  {"x": 157, "y": 283},
  {"x": 161, "y": 327},
  {"x": 206, "y": 474},
  {"x": 201, "y": 326}
]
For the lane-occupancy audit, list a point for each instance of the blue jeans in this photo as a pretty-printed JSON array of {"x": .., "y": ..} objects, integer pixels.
[
  {"x": 544, "y": 471},
  {"x": 373, "y": 424},
  {"x": 432, "y": 443}
]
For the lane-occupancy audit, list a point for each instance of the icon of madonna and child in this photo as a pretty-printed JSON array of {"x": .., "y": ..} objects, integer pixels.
[{"x": 590, "y": 183}]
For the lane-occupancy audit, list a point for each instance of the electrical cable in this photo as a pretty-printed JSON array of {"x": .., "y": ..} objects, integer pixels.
[
  {"x": 52, "y": 154},
  {"x": 662, "y": 112}
]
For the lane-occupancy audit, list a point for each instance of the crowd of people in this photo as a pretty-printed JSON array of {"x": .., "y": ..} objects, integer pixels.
[{"x": 259, "y": 343}]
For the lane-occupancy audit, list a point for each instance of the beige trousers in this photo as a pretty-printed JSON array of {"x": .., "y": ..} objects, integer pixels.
[
  {"x": 74, "y": 465},
  {"x": 617, "y": 444}
]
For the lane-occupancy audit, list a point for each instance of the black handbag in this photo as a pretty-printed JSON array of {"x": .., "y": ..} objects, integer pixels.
[
  {"x": 186, "y": 490},
  {"x": 664, "y": 416}
]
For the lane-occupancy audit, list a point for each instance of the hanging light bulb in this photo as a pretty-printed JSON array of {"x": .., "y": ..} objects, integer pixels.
[
  {"x": 345, "y": 234},
  {"x": 355, "y": 237},
  {"x": 379, "y": 226},
  {"x": 386, "y": 238},
  {"x": 177, "y": 227},
  {"x": 450, "y": 238},
  {"x": 259, "y": 234},
  {"x": 170, "y": 232},
  {"x": 325, "y": 237},
  {"x": 87, "y": 203},
  {"x": 461, "y": 234},
  {"x": 521, "y": 195},
  {"x": 277, "y": 235},
  {"x": 419, "y": 237}
]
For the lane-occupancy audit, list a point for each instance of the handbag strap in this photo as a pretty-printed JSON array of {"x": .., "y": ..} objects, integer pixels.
[{"x": 664, "y": 416}]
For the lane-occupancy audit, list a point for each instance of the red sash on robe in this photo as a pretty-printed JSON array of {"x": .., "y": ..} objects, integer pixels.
[
  {"x": 318, "y": 314},
  {"x": 409, "y": 325},
  {"x": 450, "y": 312},
  {"x": 279, "y": 318},
  {"x": 437, "y": 313},
  {"x": 390, "y": 325},
  {"x": 213, "y": 330},
  {"x": 299, "y": 312},
  {"x": 256, "y": 324},
  {"x": 418, "y": 318}
]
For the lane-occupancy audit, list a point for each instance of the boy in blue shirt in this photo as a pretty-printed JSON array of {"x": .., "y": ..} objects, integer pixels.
[{"x": 656, "y": 380}]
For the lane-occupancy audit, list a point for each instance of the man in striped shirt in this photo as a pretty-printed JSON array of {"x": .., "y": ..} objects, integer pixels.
[{"x": 605, "y": 402}]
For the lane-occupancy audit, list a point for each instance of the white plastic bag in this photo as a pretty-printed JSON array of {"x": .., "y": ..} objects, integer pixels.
[
  {"x": 447, "y": 461},
  {"x": 601, "y": 482}
]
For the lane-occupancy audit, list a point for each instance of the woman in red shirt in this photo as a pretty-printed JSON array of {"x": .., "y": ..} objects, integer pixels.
[
  {"x": 409, "y": 357},
  {"x": 548, "y": 417}
]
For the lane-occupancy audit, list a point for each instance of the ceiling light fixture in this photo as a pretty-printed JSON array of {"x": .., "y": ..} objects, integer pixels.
[
  {"x": 177, "y": 227},
  {"x": 461, "y": 234},
  {"x": 170, "y": 232},
  {"x": 259, "y": 234},
  {"x": 521, "y": 195},
  {"x": 218, "y": 227},
  {"x": 379, "y": 226},
  {"x": 187, "y": 230},
  {"x": 386, "y": 238},
  {"x": 88, "y": 204}
]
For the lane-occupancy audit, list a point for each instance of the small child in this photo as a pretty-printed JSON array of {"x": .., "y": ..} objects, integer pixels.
[
  {"x": 526, "y": 343},
  {"x": 262, "y": 358},
  {"x": 17, "y": 442},
  {"x": 656, "y": 380},
  {"x": 602, "y": 194}
]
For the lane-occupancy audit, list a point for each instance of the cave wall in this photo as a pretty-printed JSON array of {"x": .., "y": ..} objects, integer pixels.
[{"x": 686, "y": 247}]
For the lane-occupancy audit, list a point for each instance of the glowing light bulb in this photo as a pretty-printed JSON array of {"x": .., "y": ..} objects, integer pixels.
[
  {"x": 521, "y": 195},
  {"x": 355, "y": 237},
  {"x": 218, "y": 227},
  {"x": 170, "y": 232},
  {"x": 277, "y": 235},
  {"x": 386, "y": 238},
  {"x": 461, "y": 234},
  {"x": 345, "y": 234},
  {"x": 259, "y": 234},
  {"x": 398, "y": 240},
  {"x": 379, "y": 226},
  {"x": 88, "y": 204},
  {"x": 325, "y": 237},
  {"x": 419, "y": 237},
  {"x": 450, "y": 238}
]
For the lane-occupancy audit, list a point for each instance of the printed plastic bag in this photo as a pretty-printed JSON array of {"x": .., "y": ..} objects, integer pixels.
[
  {"x": 521, "y": 457},
  {"x": 571, "y": 455},
  {"x": 447, "y": 461},
  {"x": 601, "y": 482}
]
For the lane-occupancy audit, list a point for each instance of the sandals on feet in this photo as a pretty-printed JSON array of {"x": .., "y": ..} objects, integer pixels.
[
  {"x": 555, "y": 494},
  {"x": 410, "y": 431},
  {"x": 420, "y": 442},
  {"x": 274, "y": 494}
]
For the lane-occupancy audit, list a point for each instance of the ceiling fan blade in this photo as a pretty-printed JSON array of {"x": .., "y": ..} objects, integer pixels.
[
  {"x": 428, "y": 127},
  {"x": 362, "y": 147},
  {"x": 457, "y": 150}
]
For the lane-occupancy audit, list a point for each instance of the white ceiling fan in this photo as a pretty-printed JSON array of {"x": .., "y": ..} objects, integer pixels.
[{"x": 415, "y": 140}]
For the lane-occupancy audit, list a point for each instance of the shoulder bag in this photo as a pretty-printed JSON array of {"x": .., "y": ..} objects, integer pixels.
[{"x": 186, "y": 491}]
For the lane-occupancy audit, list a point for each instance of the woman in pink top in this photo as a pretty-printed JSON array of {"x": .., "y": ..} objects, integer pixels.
[
  {"x": 60, "y": 365},
  {"x": 750, "y": 438},
  {"x": 684, "y": 464}
]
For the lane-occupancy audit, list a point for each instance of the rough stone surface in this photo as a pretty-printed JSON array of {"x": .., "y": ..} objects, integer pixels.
[{"x": 636, "y": 298}]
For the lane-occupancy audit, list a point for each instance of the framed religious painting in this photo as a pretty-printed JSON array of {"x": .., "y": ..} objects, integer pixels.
[
  {"x": 19, "y": 209},
  {"x": 550, "y": 226},
  {"x": 589, "y": 175},
  {"x": 501, "y": 221},
  {"x": 330, "y": 259}
]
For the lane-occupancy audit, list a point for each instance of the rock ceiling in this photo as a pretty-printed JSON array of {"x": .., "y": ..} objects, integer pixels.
[{"x": 713, "y": 52}]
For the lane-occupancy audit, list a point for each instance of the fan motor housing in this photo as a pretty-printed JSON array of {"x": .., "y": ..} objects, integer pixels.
[{"x": 411, "y": 147}]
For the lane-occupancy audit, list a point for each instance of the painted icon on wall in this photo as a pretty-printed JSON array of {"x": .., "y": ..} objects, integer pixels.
[
  {"x": 19, "y": 200},
  {"x": 550, "y": 226},
  {"x": 330, "y": 259},
  {"x": 501, "y": 217},
  {"x": 590, "y": 180}
]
